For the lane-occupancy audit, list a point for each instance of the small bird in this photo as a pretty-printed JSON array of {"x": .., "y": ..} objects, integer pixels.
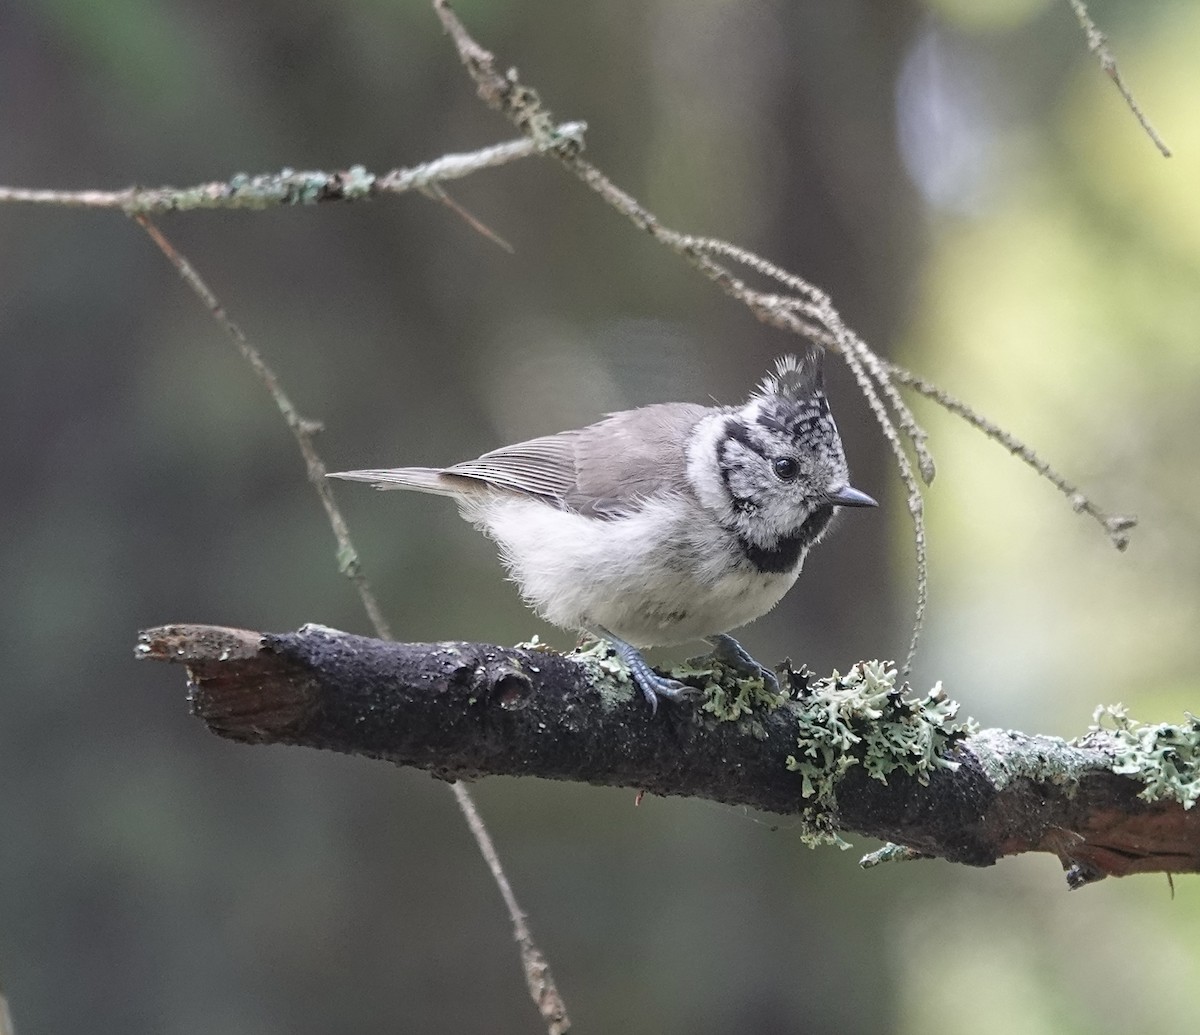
[{"x": 663, "y": 524}]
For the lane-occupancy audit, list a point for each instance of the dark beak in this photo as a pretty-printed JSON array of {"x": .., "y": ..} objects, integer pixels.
[{"x": 849, "y": 497}]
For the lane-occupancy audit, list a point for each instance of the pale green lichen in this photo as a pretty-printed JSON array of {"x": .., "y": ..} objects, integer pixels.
[
  {"x": 606, "y": 672},
  {"x": 357, "y": 183},
  {"x": 817, "y": 830},
  {"x": 863, "y": 718},
  {"x": 728, "y": 695},
  {"x": 730, "y": 701},
  {"x": 535, "y": 644},
  {"x": 1165, "y": 757},
  {"x": 725, "y": 695},
  {"x": 1008, "y": 755},
  {"x": 890, "y": 852}
]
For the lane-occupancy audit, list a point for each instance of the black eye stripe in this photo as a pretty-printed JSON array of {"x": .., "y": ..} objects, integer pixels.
[
  {"x": 785, "y": 468},
  {"x": 738, "y": 431}
]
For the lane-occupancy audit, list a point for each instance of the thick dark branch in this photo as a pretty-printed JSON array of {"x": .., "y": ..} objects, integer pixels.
[{"x": 463, "y": 710}]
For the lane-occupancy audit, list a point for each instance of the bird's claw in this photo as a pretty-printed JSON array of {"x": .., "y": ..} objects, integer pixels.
[
  {"x": 652, "y": 685},
  {"x": 728, "y": 651}
]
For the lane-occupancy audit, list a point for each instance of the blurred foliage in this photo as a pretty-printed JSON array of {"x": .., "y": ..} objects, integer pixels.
[{"x": 965, "y": 182}]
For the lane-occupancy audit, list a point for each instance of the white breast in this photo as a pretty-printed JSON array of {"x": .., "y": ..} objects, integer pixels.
[{"x": 665, "y": 574}]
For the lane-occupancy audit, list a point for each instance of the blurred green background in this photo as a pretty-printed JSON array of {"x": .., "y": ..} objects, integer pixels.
[{"x": 960, "y": 176}]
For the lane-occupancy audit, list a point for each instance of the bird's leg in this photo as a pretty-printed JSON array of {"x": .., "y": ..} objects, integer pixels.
[
  {"x": 652, "y": 685},
  {"x": 728, "y": 651}
]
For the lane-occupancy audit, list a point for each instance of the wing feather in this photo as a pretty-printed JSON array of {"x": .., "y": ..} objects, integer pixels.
[
  {"x": 540, "y": 467},
  {"x": 604, "y": 470}
]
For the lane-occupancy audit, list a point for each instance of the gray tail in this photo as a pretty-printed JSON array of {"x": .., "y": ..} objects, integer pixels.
[{"x": 421, "y": 479}]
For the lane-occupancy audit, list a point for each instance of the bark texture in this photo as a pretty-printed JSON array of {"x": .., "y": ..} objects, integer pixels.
[{"x": 466, "y": 710}]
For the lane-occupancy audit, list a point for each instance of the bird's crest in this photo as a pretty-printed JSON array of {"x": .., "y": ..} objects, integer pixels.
[{"x": 795, "y": 379}]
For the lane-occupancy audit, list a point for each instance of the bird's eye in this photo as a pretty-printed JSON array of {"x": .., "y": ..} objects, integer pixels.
[{"x": 785, "y": 468}]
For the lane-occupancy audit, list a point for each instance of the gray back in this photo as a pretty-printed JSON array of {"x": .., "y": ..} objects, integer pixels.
[{"x": 602, "y": 470}]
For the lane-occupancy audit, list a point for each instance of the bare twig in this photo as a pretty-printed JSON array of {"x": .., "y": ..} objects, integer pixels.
[
  {"x": 538, "y": 978},
  {"x": 436, "y": 192},
  {"x": 289, "y": 187},
  {"x": 1098, "y": 45},
  {"x": 537, "y": 971},
  {"x": 1117, "y": 526},
  {"x": 852, "y": 354}
]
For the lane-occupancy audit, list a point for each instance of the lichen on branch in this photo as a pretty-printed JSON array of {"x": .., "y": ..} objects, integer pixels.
[{"x": 853, "y": 753}]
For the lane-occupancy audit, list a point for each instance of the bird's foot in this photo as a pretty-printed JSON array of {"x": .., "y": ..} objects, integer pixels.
[
  {"x": 728, "y": 651},
  {"x": 652, "y": 685}
]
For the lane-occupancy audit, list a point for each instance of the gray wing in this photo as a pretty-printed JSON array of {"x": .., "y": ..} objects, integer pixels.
[
  {"x": 603, "y": 470},
  {"x": 541, "y": 466}
]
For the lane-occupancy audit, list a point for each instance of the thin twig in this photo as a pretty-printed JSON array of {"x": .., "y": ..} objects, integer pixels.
[
  {"x": 915, "y": 501},
  {"x": 289, "y": 187},
  {"x": 537, "y": 970},
  {"x": 1098, "y": 45},
  {"x": 542, "y": 989},
  {"x": 302, "y": 430},
  {"x": 817, "y": 305},
  {"x": 1117, "y": 526},
  {"x": 436, "y": 192}
]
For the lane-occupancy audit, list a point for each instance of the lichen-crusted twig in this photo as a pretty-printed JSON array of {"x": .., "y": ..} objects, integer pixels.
[
  {"x": 289, "y": 187},
  {"x": 873, "y": 760}
]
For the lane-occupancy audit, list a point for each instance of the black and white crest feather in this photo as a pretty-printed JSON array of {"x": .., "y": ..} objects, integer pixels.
[
  {"x": 795, "y": 379},
  {"x": 791, "y": 402}
]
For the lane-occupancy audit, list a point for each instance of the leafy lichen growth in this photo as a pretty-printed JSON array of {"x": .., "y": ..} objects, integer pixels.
[
  {"x": 890, "y": 852},
  {"x": 606, "y": 671},
  {"x": 1165, "y": 757},
  {"x": 728, "y": 694},
  {"x": 535, "y": 645},
  {"x": 729, "y": 701},
  {"x": 863, "y": 718},
  {"x": 817, "y": 830}
]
